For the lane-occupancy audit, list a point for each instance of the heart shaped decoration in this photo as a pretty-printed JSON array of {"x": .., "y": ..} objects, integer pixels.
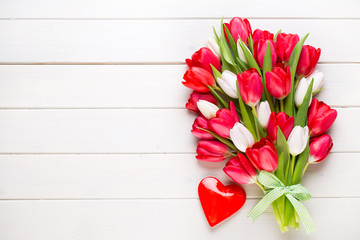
[{"x": 218, "y": 201}]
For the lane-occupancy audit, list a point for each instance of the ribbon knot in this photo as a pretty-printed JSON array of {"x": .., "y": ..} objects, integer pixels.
[{"x": 275, "y": 190}]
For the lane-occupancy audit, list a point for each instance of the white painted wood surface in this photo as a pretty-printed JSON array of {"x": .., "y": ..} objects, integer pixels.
[{"x": 94, "y": 136}]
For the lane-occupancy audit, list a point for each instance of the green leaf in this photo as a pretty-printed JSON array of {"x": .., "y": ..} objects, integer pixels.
[
  {"x": 217, "y": 96},
  {"x": 301, "y": 115},
  {"x": 249, "y": 57},
  {"x": 232, "y": 43},
  {"x": 221, "y": 139},
  {"x": 224, "y": 48},
  {"x": 318, "y": 91},
  {"x": 216, "y": 36},
  {"x": 280, "y": 169},
  {"x": 216, "y": 73},
  {"x": 282, "y": 148},
  {"x": 259, "y": 127},
  {"x": 300, "y": 164},
  {"x": 251, "y": 44},
  {"x": 294, "y": 58},
  {"x": 277, "y": 35},
  {"x": 245, "y": 114},
  {"x": 241, "y": 64}
]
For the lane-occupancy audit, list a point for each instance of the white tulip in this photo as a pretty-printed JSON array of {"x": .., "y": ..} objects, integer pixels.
[
  {"x": 263, "y": 113},
  {"x": 214, "y": 47},
  {"x": 228, "y": 83},
  {"x": 318, "y": 80},
  {"x": 240, "y": 52},
  {"x": 301, "y": 91},
  {"x": 241, "y": 137},
  {"x": 298, "y": 139},
  {"x": 207, "y": 109}
]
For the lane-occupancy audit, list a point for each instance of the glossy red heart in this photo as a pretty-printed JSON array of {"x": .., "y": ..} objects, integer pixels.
[{"x": 218, "y": 201}]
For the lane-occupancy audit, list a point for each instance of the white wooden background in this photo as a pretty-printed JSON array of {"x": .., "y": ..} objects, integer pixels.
[{"x": 95, "y": 141}]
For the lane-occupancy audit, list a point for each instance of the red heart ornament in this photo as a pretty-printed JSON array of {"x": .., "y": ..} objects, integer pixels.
[{"x": 218, "y": 201}]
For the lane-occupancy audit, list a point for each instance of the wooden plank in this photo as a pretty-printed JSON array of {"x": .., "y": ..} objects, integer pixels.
[
  {"x": 164, "y": 219},
  {"x": 149, "y": 41},
  {"x": 124, "y": 131},
  {"x": 135, "y": 175},
  {"x": 117, "y": 86},
  {"x": 176, "y": 9}
]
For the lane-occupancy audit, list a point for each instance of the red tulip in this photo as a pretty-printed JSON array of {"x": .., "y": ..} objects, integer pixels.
[
  {"x": 285, "y": 44},
  {"x": 197, "y": 79},
  {"x": 262, "y": 35},
  {"x": 201, "y": 122},
  {"x": 240, "y": 28},
  {"x": 263, "y": 155},
  {"x": 281, "y": 120},
  {"x": 320, "y": 148},
  {"x": 240, "y": 170},
  {"x": 212, "y": 151},
  {"x": 226, "y": 25},
  {"x": 320, "y": 117},
  {"x": 309, "y": 57},
  {"x": 278, "y": 81},
  {"x": 260, "y": 49},
  {"x": 224, "y": 121},
  {"x": 250, "y": 86},
  {"x": 195, "y": 97},
  {"x": 203, "y": 58}
]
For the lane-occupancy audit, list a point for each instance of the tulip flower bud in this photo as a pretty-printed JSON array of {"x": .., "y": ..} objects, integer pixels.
[
  {"x": 320, "y": 117},
  {"x": 241, "y": 52},
  {"x": 298, "y": 139},
  {"x": 260, "y": 49},
  {"x": 263, "y": 113},
  {"x": 204, "y": 58},
  {"x": 263, "y": 155},
  {"x": 278, "y": 81},
  {"x": 212, "y": 151},
  {"x": 223, "y": 122},
  {"x": 198, "y": 79},
  {"x": 228, "y": 83},
  {"x": 207, "y": 109},
  {"x": 250, "y": 86},
  {"x": 262, "y": 35},
  {"x": 240, "y": 28},
  {"x": 195, "y": 97},
  {"x": 241, "y": 137},
  {"x": 318, "y": 80},
  {"x": 214, "y": 47},
  {"x": 201, "y": 122},
  {"x": 240, "y": 170},
  {"x": 320, "y": 148},
  {"x": 281, "y": 120},
  {"x": 285, "y": 44},
  {"x": 301, "y": 92},
  {"x": 308, "y": 59}
]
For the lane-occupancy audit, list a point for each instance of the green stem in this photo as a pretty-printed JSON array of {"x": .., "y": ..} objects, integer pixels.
[
  {"x": 282, "y": 105},
  {"x": 306, "y": 166},
  {"x": 260, "y": 186},
  {"x": 256, "y": 126},
  {"x": 292, "y": 163}
]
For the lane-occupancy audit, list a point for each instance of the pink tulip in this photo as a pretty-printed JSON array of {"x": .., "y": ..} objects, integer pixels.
[
  {"x": 212, "y": 151},
  {"x": 281, "y": 120},
  {"x": 278, "y": 81},
  {"x": 263, "y": 155},
  {"x": 250, "y": 86},
  {"x": 201, "y": 122},
  {"x": 309, "y": 57},
  {"x": 285, "y": 44},
  {"x": 320, "y": 118},
  {"x": 262, "y": 35},
  {"x": 195, "y": 97},
  {"x": 203, "y": 58},
  {"x": 198, "y": 79},
  {"x": 224, "y": 121},
  {"x": 240, "y": 170},
  {"x": 320, "y": 148},
  {"x": 240, "y": 28},
  {"x": 260, "y": 49}
]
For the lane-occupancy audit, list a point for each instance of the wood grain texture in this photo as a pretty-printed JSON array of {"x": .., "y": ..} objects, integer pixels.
[
  {"x": 152, "y": 41},
  {"x": 126, "y": 86},
  {"x": 164, "y": 219},
  {"x": 124, "y": 131},
  {"x": 177, "y": 9},
  {"x": 155, "y": 176}
]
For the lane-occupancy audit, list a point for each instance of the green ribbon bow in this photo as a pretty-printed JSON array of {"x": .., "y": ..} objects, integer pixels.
[{"x": 294, "y": 193}]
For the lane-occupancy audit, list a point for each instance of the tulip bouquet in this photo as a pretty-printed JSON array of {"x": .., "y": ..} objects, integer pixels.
[{"x": 253, "y": 93}]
